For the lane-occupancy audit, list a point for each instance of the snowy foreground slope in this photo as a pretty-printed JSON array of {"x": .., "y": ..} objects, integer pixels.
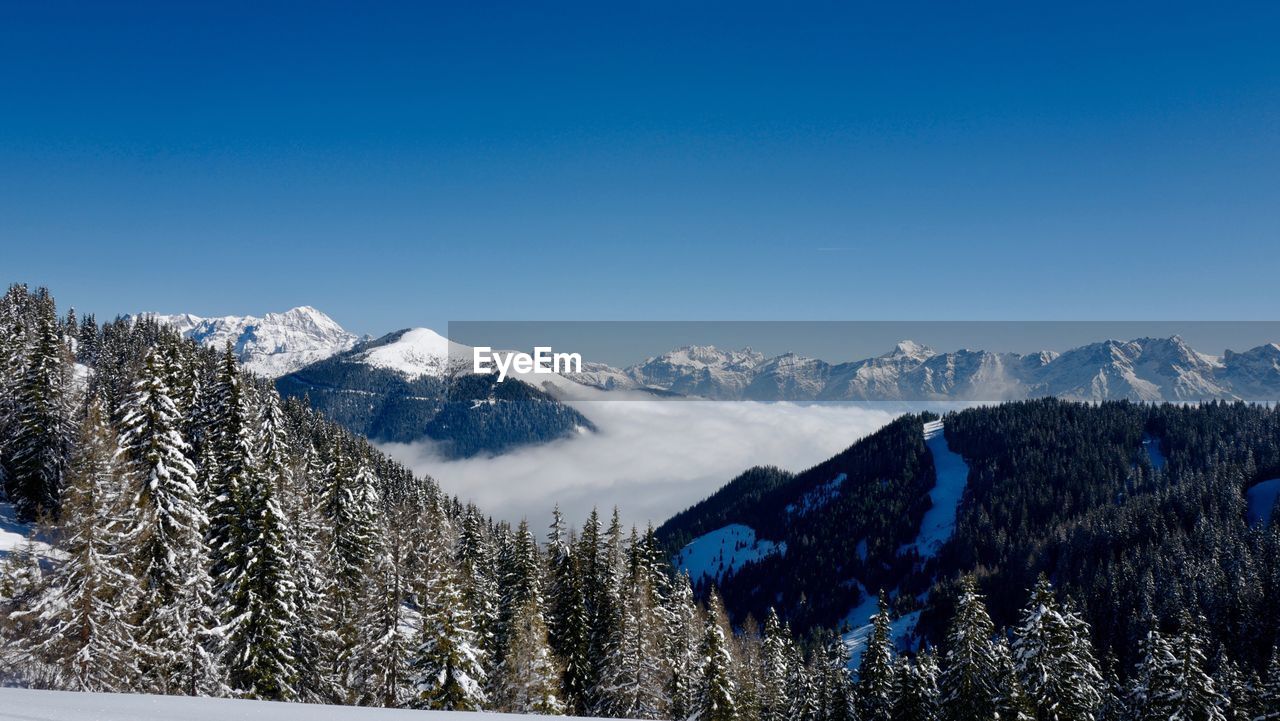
[{"x": 27, "y": 705}]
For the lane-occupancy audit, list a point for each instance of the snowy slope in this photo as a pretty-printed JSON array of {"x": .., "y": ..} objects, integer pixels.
[
  {"x": 935, "y": 530},
  {"x": 13, "y": 534},
  {"x": 952, "y": 475},
  {"x": 713, "y": 554},
  {"x": 418, "y": 352},
  {"x": 1262, "y": 501},
  {"x": 275, "y": 344},
  {"x": 29, "y": 705}
]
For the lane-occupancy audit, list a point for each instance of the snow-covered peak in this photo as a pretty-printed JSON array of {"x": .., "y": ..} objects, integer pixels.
[
  {"x": 911, "y": 350},
  {"x": 275, "y": 344},
  {"x": 418, "y": 352}
]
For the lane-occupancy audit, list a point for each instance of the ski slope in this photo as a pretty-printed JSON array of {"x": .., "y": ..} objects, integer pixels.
[
  {"x": 1154, "y": 454},
  {"x": 1262, "y": 500},
  {"x": 28, "y": 705},
  {"x": 936, "y": 527},
  {"x": 714, "y": 554},
  {"x": 948, "y": 488}
]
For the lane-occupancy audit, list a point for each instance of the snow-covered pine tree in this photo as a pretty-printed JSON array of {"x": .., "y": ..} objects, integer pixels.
[
  {"x": 970, "y": 672},
  {"x": 916, "y": 689},
  {"x": 449, "y": 666},
  {"x": 774, "y": 704},
  {"x": 1054, "y": 660},
  {"x": 258, "y": 586},
  {"x": 681, "y": 648},
  {"x": 1155, "y": 685},
  {"x": 716, "y": 689},
  {"x": 835, "y": 691},
  {"x": 166, "y": 535},
  {"x": 380, "y": 672},
  {"x": 85, "y": 637},
  {"x": 232, "y": 436},
  {"x": 567, "y": 621},
  {"x": 314, "y": 639},
  {"x": 876, "y": 671},
  {"x": 479, "y": 572},
  {"x": 1269, "y": 695},
  {"x": 1013, "y": 703},
  {"x": 528, "y": 679},
  {"x": 802, "y": 682},
  {"x": 43, "y": 411},
  {"x": 631, "y": 683},
  {"x": 1195, "y": 697}
]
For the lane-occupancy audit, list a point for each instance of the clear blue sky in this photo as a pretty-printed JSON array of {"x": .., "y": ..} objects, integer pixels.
[{"x": 411, "y": 164}]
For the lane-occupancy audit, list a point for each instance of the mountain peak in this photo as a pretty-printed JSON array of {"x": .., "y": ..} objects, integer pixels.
[
  {"x": 910, "y": 349},
  {"x": 275, "y": 344}
]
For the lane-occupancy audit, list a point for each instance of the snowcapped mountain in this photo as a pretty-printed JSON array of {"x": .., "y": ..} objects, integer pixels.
[
  {"x": 275, "y": 344},
  {"x": 415, "y": 384},
  {"x": 417, "y": 352},
  {"x": 1144, "y": 369}
]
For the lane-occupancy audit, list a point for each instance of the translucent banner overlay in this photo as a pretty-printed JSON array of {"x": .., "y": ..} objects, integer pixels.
[{"x": 877, "y": 361}]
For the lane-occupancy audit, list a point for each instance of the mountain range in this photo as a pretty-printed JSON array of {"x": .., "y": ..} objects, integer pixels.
[
  {"x": 273, "y": 345},
  {"x": 1143, "y": 369}
]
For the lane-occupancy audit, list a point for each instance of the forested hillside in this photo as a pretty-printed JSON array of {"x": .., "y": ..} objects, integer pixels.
[
  {"x": 467, "y": 414},
  {"x": 1138, "y": 514}
]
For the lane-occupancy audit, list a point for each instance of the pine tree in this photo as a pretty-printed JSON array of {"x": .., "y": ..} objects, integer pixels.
[
  {"x": 876, "y": 671},
  {"x": 449, "y": 665},
  {"x": 42, "y": 415},
  {"x": 916, "y": 689},
  {"x": 259, "y": 614},
  {"x": 1155, "y": 688},
  {"x": 167, "y": 538},
  {"x": 567, "y": 619},
  {"x": 1269, "y": 698},
  {"x": 528, "y": 680},
  {"x": 1194, "y": 696},
  {"x": 682, "y": 641},
  {"x": 835, "y": 691},
  {"x": 1054, "y": 660},
  {"x": 774, "y": 704},
  {"x": 85, "y": 637},
  {"x": 717, "y": 689},
  {"x": 631, "y": 677},
  {"x": 971, "y": 668}
]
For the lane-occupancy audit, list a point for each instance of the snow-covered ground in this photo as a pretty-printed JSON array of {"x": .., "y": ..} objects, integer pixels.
[
  {"x": 729, "y": 548},
  {"x": 14, "y": 534},
  {"x": 1262, "y": 500},
  {"x": 28, "y": 705},
  {"x": 952, "y": 475},
  {"x": 818, "y": 497},
  {"x": 1152, "y": 445}
]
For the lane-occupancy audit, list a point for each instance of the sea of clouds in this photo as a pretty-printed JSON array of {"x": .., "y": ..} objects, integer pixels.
[{"x": 650, "y": 458}]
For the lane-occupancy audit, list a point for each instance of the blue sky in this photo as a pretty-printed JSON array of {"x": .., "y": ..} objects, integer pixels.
[{"x": 412, "y": 164}]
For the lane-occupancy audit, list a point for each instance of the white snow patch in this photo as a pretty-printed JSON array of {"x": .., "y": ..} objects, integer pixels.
[
  {"x": 416, "y": 353},
  {"x": 14, "y": 534},
  {"x": 1262, "y": 501},
  {"x": 714, "y": 554},
  {"x": 952, "y": 474},
  {"x": 818, "y": 497},
  {"x": 31, "y": 705},
  {"x": 858, "y": 620},
  {"x": 1154, "y": 454}
]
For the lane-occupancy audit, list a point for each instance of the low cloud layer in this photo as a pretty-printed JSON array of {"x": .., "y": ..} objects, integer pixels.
[{"x": 649, "y": 458}]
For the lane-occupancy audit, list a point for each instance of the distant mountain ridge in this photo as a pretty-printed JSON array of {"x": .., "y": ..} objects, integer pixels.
[
  {"x": 1143, "y": 369},
  {"x": 275, "y": 344}
]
